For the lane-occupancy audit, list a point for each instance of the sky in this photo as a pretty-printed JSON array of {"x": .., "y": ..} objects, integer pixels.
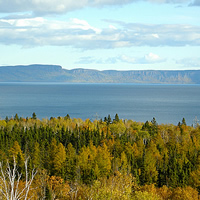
[{"x": 101, "y": 34}]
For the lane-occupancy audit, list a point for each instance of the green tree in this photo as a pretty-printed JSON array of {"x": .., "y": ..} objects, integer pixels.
[
  {"x": 36, "y": 158},
  {"x": 116, "y": 118},
  {"x": 151, "y": 158},
  {"x": 34, "y": 116},
  {"x": 16, "y": 117},
  {"x": 183, "y": 122},
  {"x": 70, "y": 162},
  {"x": 109, "y": 120}
]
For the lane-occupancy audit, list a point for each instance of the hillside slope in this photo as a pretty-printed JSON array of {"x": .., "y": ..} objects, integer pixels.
[{"x": 55, "y": 73}]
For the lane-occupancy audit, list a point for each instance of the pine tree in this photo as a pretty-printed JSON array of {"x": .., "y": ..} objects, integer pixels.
[
  {"x": 183, "y": 122},
  {"x": 34, "y": 116},
  {"x": 70, "y": 162},
  {"x": 116, "y": 118},
  {"x": 109, "y": 120}
]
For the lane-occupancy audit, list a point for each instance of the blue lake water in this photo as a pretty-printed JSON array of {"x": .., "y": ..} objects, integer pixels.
[{"x": 167, "y": 103}]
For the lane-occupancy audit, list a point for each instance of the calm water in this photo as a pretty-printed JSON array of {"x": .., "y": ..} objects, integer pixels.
[{"x": 167, "y": 103}]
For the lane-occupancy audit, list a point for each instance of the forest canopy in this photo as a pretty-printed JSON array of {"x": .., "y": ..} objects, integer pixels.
[{"x": 103, "y": 159}]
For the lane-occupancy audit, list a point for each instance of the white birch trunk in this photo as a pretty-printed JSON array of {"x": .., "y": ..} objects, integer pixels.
[{"x": 9, "y": 182}]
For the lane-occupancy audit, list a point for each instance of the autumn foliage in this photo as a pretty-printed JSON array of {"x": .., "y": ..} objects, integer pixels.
[{"x": 104, "y": 159}]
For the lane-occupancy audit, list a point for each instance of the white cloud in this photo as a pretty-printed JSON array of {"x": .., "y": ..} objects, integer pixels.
[
  {"x": 82, "y": 24},
  {"x": 42, "y": 7},
  {"x": 146, "y": 59},
  {"x": 80, "y": 34},
  {"x": 86, "y": 60},
  {"x": 152, "y": 58},
  {"x": 112, "y": 27},
  {"x": 128, "y": 59},
  {"x": 155, "y": 35}
]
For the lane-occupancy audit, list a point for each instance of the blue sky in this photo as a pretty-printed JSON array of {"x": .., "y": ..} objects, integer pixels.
[{"x": 101, "y": 34}]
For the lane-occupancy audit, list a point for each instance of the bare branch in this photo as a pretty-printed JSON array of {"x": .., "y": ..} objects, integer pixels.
[
  {"x": 3, "y": 178},
  {"x": 10, "y": 186}
]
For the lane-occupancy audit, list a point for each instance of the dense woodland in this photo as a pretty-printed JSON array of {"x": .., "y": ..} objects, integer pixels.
[{"x": 102, "y": 159}]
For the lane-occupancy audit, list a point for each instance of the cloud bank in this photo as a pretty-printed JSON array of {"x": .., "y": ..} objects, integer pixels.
[
  {"x": 43, "y": 7},
  {"x": 149, "y": 58},
  {"x": 38, "y": 31}
]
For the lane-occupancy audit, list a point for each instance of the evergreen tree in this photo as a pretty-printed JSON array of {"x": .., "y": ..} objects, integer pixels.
[
  {"x": 70, "y": 162},
  {"x": 16, "y": 117},
  {"x": 183, "y": 122},
  {"x": 109, "y": 120},
  {"x": 116, "y": 118},
  {"x": 34, "y": 116}
]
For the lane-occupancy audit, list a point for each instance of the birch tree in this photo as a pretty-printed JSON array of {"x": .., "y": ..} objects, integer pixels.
[{"x": 10, "y": 181}]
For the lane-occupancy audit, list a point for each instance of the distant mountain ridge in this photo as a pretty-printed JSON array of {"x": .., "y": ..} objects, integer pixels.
[{"x": 55, "y": 73}]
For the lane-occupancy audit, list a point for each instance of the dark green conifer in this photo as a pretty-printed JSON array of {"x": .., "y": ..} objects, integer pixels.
[
  {"x": 116, "y": 118},
  {"x": 34, "y": 116}
]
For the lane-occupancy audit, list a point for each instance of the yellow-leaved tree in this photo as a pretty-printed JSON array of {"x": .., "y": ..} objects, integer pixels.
[
  {"x": 103, "y": 160},
  {"x": 16, "y": 152},
  {"x": 58, "y": 158}
]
